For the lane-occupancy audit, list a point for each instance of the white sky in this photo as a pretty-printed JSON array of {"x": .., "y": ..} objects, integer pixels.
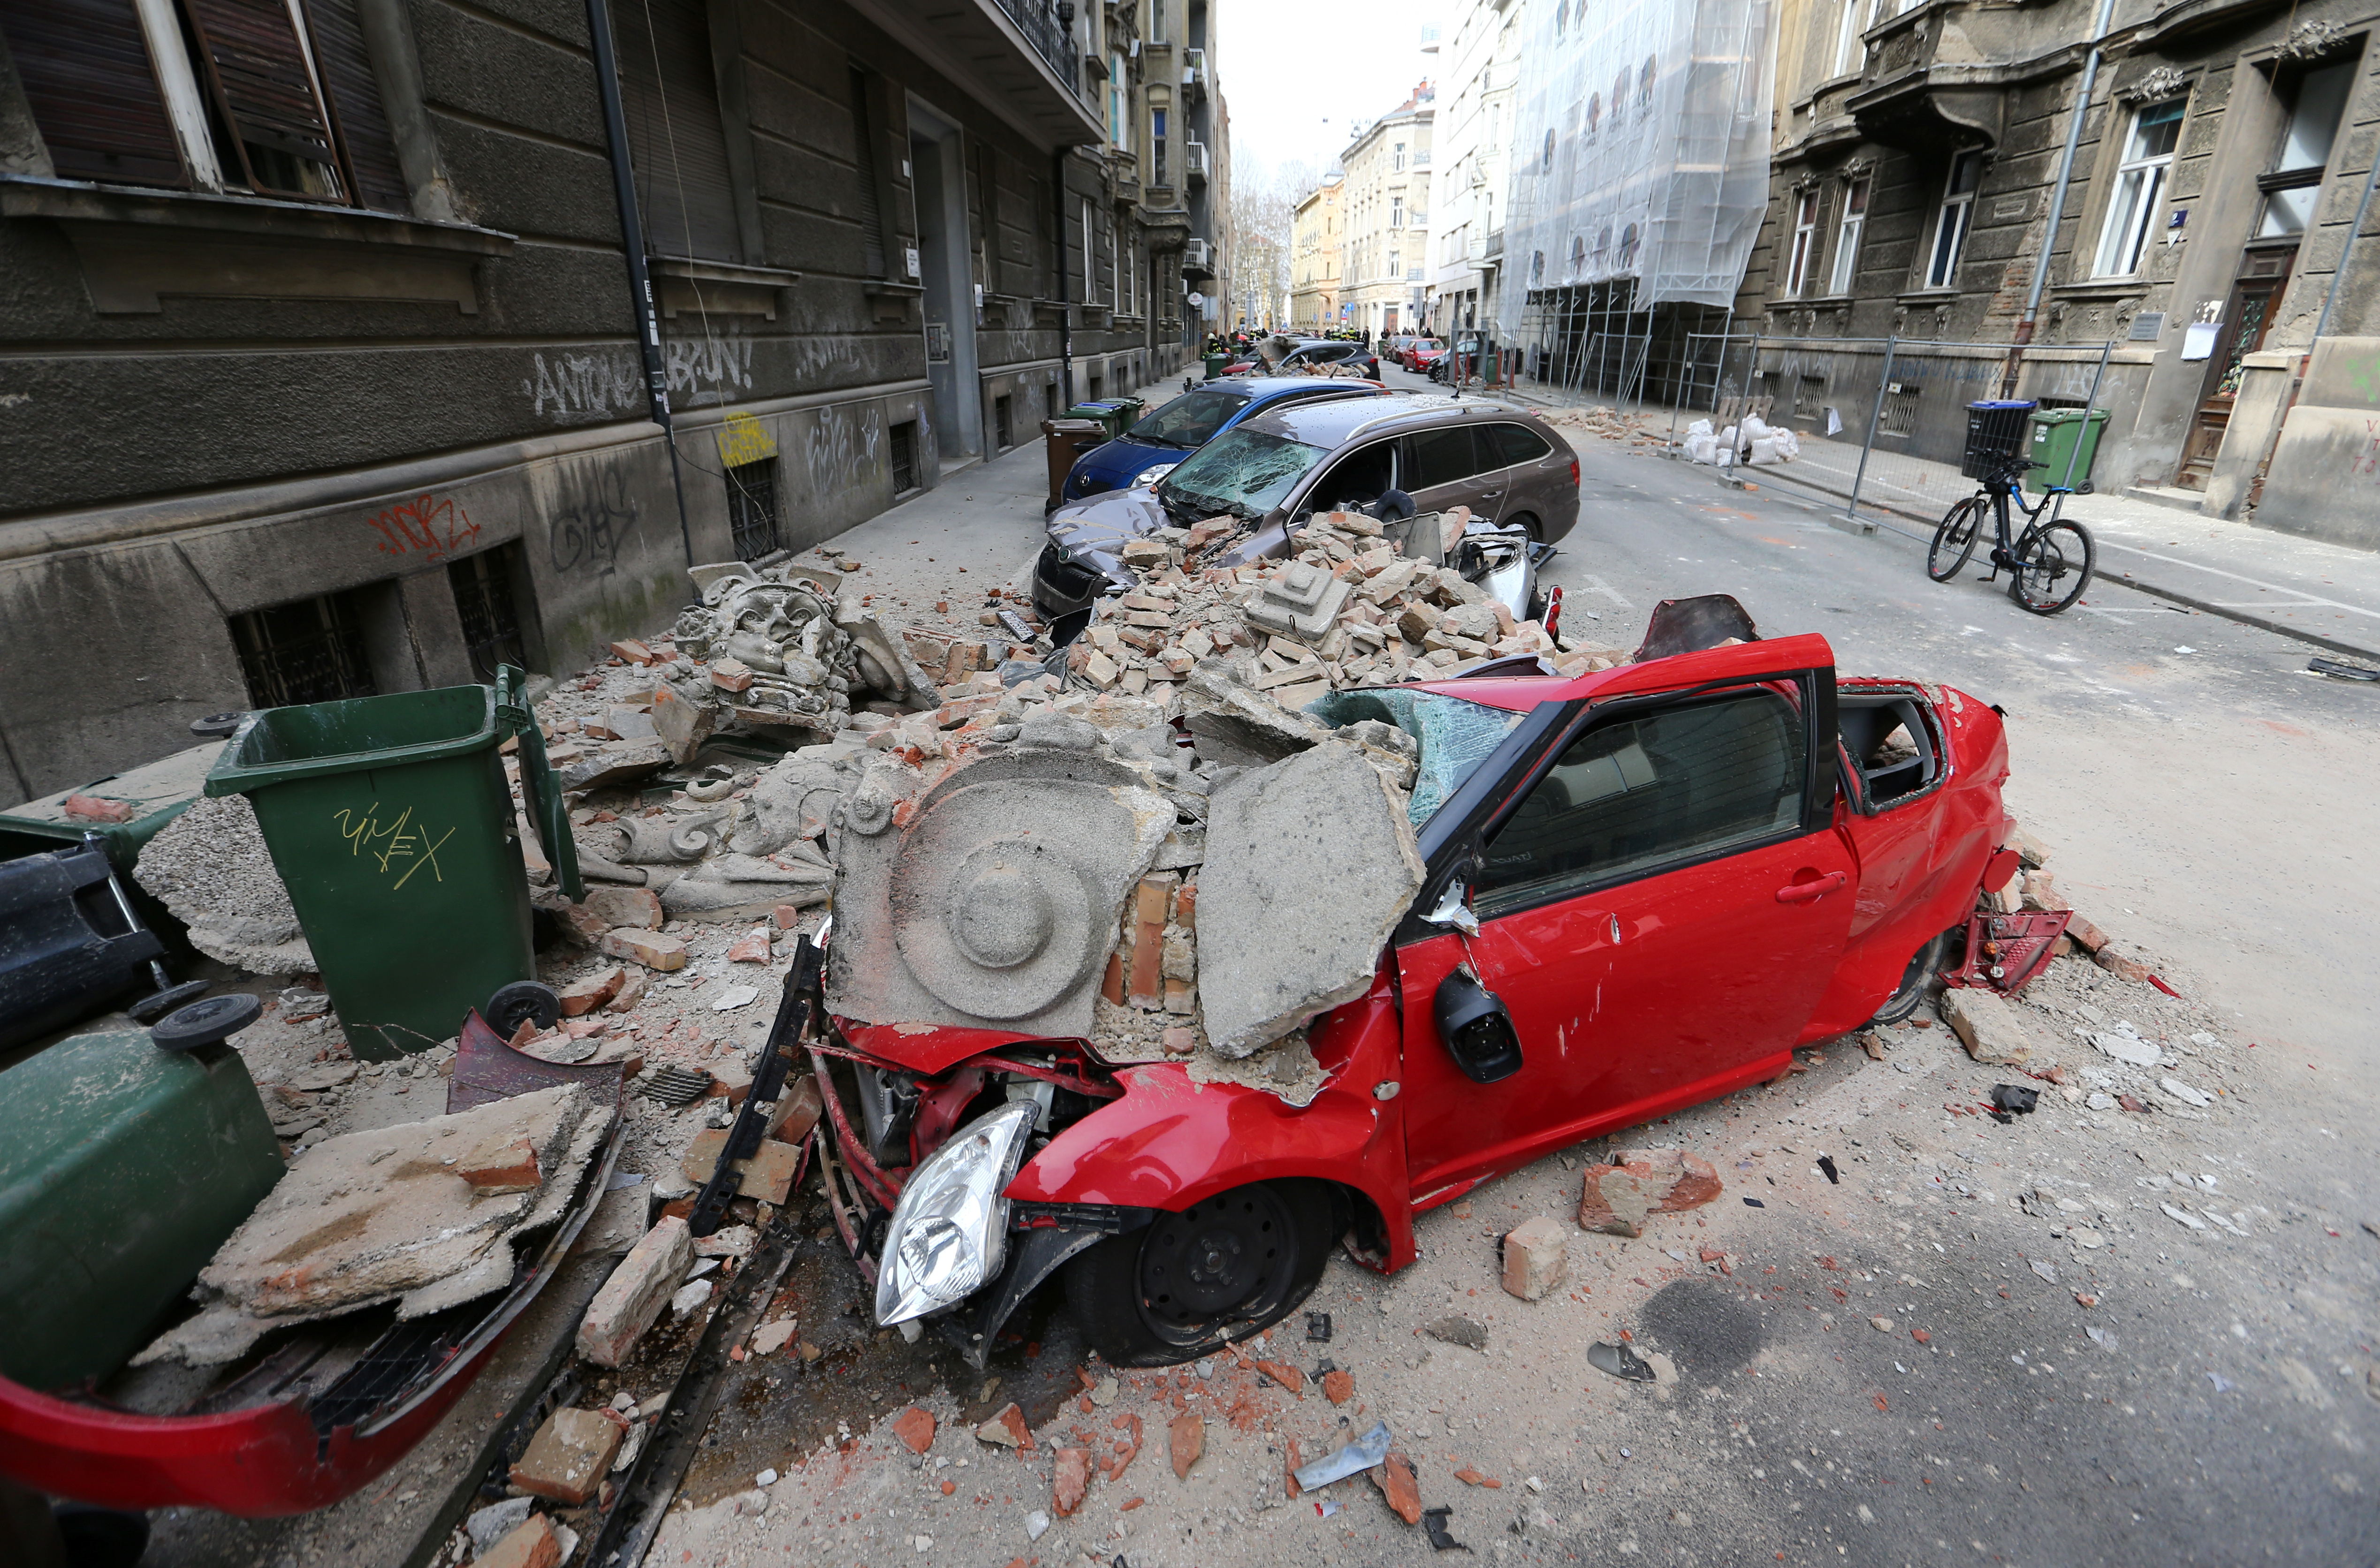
[{"x": 1301, "y": 77}]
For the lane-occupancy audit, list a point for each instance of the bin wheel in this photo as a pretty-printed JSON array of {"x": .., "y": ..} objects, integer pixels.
[
  {"x": 217, "y": 725},
  {"x": 2084, "y": 488},
  {"x": 524, "y": 1001},
  {"x": 210, "y": 1022},
  {"x": 157, "y": 1004}
]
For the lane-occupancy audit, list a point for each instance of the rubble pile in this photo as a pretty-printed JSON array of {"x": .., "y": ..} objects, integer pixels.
[
  {"x": 1753, "y": 441},
  {"x": 1360, "y": 605},
  {"x": 1606, "y": 422},
  {"x": 210, "y": 867}
]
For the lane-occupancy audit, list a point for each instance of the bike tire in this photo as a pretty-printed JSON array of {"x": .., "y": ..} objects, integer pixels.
[
  {"x": 2054, "y": 564},
  {"x": 1954, "y": 541}
]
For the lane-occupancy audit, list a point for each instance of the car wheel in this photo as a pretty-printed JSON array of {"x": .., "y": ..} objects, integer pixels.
[
  {"x": 1917, "y": 978},
  {"x": 1524, "y": 520},
  {"x": 1224, "y": 1269}
]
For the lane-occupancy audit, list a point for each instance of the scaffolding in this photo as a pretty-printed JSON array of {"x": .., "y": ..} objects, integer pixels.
[{"x": 1641, "y": 182}]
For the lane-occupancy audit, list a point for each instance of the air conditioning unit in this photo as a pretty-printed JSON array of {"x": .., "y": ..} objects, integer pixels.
[
  {"x": 1194, "y": 256},
  {"x": 1194, "y": 163}
]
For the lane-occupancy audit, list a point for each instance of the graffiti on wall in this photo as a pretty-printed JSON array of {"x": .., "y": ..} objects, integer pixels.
[
  {"x": 432, "y": 527},
  {"x": 609, "y": 383},
  {"x": 593, "y": 518},
  {"x": 705, "y": 370},
  {"x": 842, "y": 451}
]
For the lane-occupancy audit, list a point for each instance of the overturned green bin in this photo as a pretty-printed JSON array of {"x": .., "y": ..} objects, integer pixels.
[{"x": 392, "y": 824}]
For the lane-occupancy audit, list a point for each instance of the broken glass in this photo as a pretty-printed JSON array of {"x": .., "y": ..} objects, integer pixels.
[
  {"x": 1456, "y": 735},
  {"x": 1242, "y": 474}
]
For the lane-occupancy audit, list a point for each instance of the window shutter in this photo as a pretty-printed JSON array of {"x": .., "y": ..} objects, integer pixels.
[
  {"x": 670, "y": 95},
  {"x": 261, "y": 77},
  {"x": 356, "y": 110},
  {"x": 85, "y": 68},
  {"x": 872, "y": 212}
]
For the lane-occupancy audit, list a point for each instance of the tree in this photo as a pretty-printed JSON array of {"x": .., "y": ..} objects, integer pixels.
[{"x": 1262, "y": 214}]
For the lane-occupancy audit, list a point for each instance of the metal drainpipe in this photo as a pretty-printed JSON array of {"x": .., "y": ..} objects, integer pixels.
[
  {"x": 632, "y": 242},
  {"x": 1065, "y": 316},
  {"x": 2057, "y": 196}
]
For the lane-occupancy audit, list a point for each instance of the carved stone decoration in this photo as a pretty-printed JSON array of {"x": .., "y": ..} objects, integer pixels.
[
  {"x": 2313, "y": 40},
  {"x": 1857, "y": 168},
  {"x": 2165, "y": 81}
]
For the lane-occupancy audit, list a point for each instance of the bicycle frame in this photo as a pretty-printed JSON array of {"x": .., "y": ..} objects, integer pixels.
[{"x": 2004, "y": 484}]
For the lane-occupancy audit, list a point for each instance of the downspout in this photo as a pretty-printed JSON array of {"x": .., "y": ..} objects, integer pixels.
[
  {"x": 2057, "y": 197},
  {"x": 632, "y": 243},
  {"x": 1066, "y": 311}
]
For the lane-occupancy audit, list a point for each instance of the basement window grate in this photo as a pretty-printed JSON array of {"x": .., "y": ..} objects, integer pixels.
[
  {"x": 483, "y": 601},
  {"x": 752, "y": 507},
  {"x": 905, "y": 457},
  {"x": 306, "y": 651}
]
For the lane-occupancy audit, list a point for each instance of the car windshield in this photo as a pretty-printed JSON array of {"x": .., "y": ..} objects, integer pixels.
[
  {"x": 1191, "y": 419},
  {"x": 1239, "y": 474},
  {"x": 1455, "y": 733}
]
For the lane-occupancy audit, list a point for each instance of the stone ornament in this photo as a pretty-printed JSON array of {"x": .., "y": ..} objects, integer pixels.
[
  {"x": 2313, "y": 40},
  {"x": 2165, "y": 81}
]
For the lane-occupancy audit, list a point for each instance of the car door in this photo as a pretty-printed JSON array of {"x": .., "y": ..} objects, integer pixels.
[
  {"x": 1451, "y": 466},
  {"x": 1536, "y": 482},
  {"x": 1661, "y": 897}
]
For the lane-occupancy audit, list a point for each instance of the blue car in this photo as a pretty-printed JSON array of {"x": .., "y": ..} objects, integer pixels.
[{"x": 1142, "y": 454}]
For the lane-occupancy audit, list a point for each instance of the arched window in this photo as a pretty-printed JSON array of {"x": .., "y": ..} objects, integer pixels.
[
  {"x": 1628, "y": 246},
  {"x": 1593, "y": 115},
  {"x": 1644, "y": 85},
  {"x": 1619, "y": 99},
  {"x": 1562, "y": 18},
  {"x": 1577, "y": 256},
  {"x": 1602, "y": 244},
  {"x": 1548, "y": 165}
]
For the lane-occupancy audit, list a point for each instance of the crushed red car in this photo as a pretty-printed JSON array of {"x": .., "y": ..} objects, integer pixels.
[{"x": 1643, "y": 887}]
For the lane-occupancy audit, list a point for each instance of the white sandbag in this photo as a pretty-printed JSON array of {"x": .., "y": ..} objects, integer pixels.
[
  {"x": 1754, "y": 427},
  {"x": 1789, "y": 445},
  {"x": 1699, "y": 427},
  {"x": 1702, "y": 447},
  {"x": 1763, "y": 450}
]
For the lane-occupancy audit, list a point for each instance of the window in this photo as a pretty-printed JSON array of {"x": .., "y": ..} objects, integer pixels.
[
  {"x": 1806, "y": 238},
  {"x": 903, "y": 446},
  {"x": 250, "y": 96},
  {"x": 669, "y": 94},
  {"x": 1156, "y": 21},
  {"x": 1003, "y": 421},
  {"x": 752, "y": 507},
  {"x": 1118, "y": 113},
  {"x": 1396, "y": 212},
  {"x": 2140, "y": 182},
  {"x": 1847, "y": 36},
  {"x": 1513, "y": 445},
  {"x": 1397, "y": 159},
  {"x": 1157, "y": 148},
  {"x": 1634, "y": 795},
  {"x": 1362, "y": 476},
  {"x": 2295, "y": 184},
  {"x": 1396, "y": 264},
  {"x": 483, "y": 602},
  {"x": 1847, "y": 237},
  {"x": 1443, "y": 457},
  {"x": 311, "y": 651},
  {"x": 872, "y": 217},
  {"x": 1952, "y": 223},
  {"x": 1090, "y": 267}
]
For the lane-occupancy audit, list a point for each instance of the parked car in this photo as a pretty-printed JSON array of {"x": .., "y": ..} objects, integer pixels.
[
  {"x": 1146, "y": 452},
  {"x": 1392, "y": 347},
  {"x": 1275, "y": 470},
  {"x": 1646, "y": 885},
  {"x": 1280, "y": 356},
  {"x": 1421, "y": 354}
]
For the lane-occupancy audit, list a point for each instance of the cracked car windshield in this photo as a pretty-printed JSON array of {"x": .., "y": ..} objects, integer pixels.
[
  {"x": 1190, "y": 420},
  {"x": 1243, "y": 473}
]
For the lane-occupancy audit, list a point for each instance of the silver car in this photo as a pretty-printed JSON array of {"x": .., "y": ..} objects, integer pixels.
[{"x": 1276, "y": 470}]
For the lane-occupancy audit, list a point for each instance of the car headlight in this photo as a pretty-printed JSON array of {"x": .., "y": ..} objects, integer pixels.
[
  {"x": 948, "y": 1234},
  {"x": 1150, "y": 475}
]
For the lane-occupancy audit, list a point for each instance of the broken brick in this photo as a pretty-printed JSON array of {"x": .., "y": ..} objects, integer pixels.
[
  {"x": 582, "y": 924},
  {"x": 1535, "y": 1253},
  {"x": 636, "y": 1292},
  {"x": 2125, "y": 961},
  {"x": 1989, "y": 1027},
  {"x": 1127, "y": 1448},
  {"x": 529, "y": 1544},
  {"x": 586, "y": 995},
  {"x": 1616, "y": 1198},
  {"x": 90, "y": 808},
  {"x": 632, "y": 990},
  {"x": 1394, "y": 1476},
  {"x": 1070, "y": 1480},
  {"x": 1187, "y": 1440},
  {"x": 915, "y": 1427},
  {"x": 1339, "y": 1384},
  {"x": 633, "y": 651},
  {"x": 501, "y": 1165},
  {"x": 618, "y": 906},
  {"x": 649, "y": 948},
  {"x": 1007, "y": 1429},
  {"x": 731, "y": 675},
  {"x": 1287, "y": 1375},
  {"x": 752, "y": 947},
  {"x": 570, "y": 1455}
]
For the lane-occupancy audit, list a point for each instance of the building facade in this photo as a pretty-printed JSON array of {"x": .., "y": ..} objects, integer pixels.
[
  {"x": 1385, "y": 200},
  {"x": 2213, "y": 157},
  {"x": 1474, "y": 136},
  {"x": 341, "y": 294},
  {"x": 1317, "y": 233}
]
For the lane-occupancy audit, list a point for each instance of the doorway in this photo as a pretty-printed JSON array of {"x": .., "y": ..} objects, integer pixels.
[
  {"x": 2246, "y": 316},
  {"x": 943, "y": 261}
]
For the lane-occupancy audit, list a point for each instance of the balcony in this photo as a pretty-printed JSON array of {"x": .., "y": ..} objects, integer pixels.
[
  {"x": 1194, "y": 74},
  {"x": 1195, "y": 163},
  {"x": 1909, "y": 96},
  {"x": 1196, "y": 260},
  {"x": 1484, "y": 251},
  {"x": 1013, "y": 55}
]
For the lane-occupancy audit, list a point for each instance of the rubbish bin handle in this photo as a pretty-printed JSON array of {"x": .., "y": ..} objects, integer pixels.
[{"x": 547, "y": 810}]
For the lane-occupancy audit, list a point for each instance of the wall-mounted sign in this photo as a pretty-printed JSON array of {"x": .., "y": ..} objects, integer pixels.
[
  {"x": 909, "y": 259},
  {"x": 2198, "y": 339},
  {"x": 2148, "y": 326}
]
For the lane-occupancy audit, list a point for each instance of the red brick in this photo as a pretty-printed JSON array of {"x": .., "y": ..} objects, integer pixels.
[
  {"x": 1186, "y": 906},
  {"x": 1616, "y": 1199},
  {"x": 633, "y": 651},
  {"x": 501, "y": 1165},
  {"x": 529, "y": 1544},
  {"x": 1071, "y": 1480},
  {"x": 1285, "y": 1375},
  {"x": 1534, "y": 1256},
  {"x": 1288, "y": 1469},
  {"x": 649, "y": 948},
  {"x": 731, "y": 675},
  {"x": 1394, "y": 1476},
  {"x": 1146, "y": 985},
  {"x": 637, "y": 1290},
  {"x": 1340, "y": 1384},
  {"x": 567, "y": 1460},
  {"x": 590, "y": 993},
  {"x": 915, "y": 1427},
  {"x": 752, "y": 947},
  {"x": 1187, "y": 1439},
  {"x": 1112, "y": 986},
  {"x": 1127, "y": 1448},
  {"x": 90, "y": 808},
  {"x": 581, "y": 924},
  {"x": 786, "y": 916}
]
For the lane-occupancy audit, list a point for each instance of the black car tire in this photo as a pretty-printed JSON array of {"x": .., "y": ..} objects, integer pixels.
[
  {"x": 1918, "y": 978},
  {"x": 1529, "y": 521},
  {"x": 1146, "y": 1298}
]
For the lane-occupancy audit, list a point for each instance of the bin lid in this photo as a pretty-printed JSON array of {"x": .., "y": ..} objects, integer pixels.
[
  {"x": 314, "y": 739},
  {"x": 2065, "y": 415},
  {"x": 155, "y": 793},
  {"x": 2005, "y": 403}
]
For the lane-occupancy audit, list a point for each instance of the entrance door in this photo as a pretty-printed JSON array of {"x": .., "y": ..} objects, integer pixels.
[
  {"x": 1660, "y": 911},
  {"x": 943, "y": 263},
  {"x": 2246, "y": 318}
]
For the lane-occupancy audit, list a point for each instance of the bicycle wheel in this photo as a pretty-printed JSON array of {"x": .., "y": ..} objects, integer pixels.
[
  {"x": 1954, "y": 541},
  {"x": 2054, "y": 562}
]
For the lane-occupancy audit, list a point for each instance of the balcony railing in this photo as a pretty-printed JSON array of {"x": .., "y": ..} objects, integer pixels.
[
  {"x": 1037, "y": 20},
  {"x": 1194, "y": 163}
]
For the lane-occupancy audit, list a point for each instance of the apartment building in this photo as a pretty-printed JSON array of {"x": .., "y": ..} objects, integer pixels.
[
  {"x": 1317, "y": 233},
  {"x": 1385, "y": 198},
  {"x": 1474, "y": 136}
]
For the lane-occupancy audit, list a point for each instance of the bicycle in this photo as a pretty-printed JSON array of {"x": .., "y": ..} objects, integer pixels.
[{"x": 2049, "y": 564}]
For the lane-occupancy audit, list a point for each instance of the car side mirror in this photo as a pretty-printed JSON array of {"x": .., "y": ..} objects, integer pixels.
[{"x": 1476, "y": 1027}]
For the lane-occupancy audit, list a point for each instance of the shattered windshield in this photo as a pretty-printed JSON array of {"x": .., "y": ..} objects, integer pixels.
[
  {"x": 1190, "y": 420},
  {"x": 1456, "y": 735},
  {"x": 1242, "y": 474}
]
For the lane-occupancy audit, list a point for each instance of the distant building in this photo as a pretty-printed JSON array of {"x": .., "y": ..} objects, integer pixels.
[
  {"x": 1385, "y": 198},
  {"x": 1477, "y": 105},
  {"x": 1318, "y": 232}
]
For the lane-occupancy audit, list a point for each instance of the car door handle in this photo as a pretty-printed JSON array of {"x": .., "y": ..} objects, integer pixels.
[
  {"x": 1490, "y": 495},
  {"x": 1811, "y": 891}
]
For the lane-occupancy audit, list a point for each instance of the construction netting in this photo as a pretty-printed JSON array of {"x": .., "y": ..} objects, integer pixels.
[{"x": 1641, "y": 152}]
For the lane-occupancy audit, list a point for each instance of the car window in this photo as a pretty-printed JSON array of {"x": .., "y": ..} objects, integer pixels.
[
  {"x": 1442, "y": 457},
  {"x": 1516, "y": 444},
  {"x": 1241, "y": 473},
  {"x": 1191, "y": 419},
  {"x": 1359, "y": 477},
  {"x": 1678, "y": 784}
]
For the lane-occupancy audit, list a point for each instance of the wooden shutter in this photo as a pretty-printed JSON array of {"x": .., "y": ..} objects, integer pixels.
[
  {"x": 871, "y": 211},
  {"x": 356, "y": 110},
  {"x": 670, "y": 95},
  {"x": 262, "y": 80},
  {"x": 85, "y": 68}
]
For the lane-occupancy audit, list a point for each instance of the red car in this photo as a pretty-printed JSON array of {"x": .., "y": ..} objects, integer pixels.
[
  {"x": 1647, "y": 888},
  {"x": 1421, "y": 354}
]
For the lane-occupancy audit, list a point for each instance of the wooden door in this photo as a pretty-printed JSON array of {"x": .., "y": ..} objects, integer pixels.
[{"x": 2246, "y": 318}]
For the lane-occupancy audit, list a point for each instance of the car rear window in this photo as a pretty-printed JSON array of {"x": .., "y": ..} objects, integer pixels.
[
  {"x": 1193, "y": 419},
  {"x": 1516, "y": 444}
]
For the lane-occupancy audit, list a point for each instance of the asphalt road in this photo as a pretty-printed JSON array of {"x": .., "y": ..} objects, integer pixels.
[{"x": 2214, "y": 1400}]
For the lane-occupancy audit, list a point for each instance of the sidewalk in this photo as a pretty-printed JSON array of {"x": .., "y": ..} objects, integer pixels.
[{"x": 2324, "y": 594}]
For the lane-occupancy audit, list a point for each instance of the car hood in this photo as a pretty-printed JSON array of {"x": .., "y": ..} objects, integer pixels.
[{"x": 1092, "y": 533}]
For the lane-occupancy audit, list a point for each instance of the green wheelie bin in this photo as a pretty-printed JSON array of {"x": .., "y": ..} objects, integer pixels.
[
  {"x": 1215, "y": 362},
  {"x": 390, "y": 822},
  {"x": 2062, "y": 447}
]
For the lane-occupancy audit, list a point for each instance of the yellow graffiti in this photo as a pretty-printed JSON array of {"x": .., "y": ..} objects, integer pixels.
[
  {"x": 401, "y": 840},
  {"x": 745, "y": 440}
]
